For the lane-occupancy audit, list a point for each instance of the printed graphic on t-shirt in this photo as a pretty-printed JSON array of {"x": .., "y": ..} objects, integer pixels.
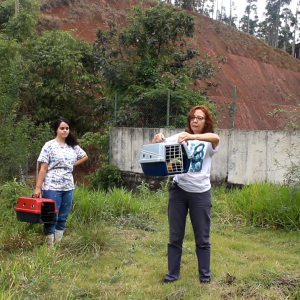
[{"x": 198, "y": 155}]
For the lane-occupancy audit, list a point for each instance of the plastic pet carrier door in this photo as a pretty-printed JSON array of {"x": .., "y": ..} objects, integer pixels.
[{"x": 162, "y": 159}]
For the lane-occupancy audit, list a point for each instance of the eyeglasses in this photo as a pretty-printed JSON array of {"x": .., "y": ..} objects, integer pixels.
[{"x": 199, "y": 118}]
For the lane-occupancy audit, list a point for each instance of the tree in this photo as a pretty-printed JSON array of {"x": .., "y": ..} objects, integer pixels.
[
  {"x": 7, "y": 9},
  {"x": 148, "y": 58},
  {"x": 22, "y": 27},
  {"x": 250, "y": 7},
  {"x": 20, "y": 138},
  {"x": 190, "y": 5},
  {"x": 209, "y": 10},
  {"x": 59, "y": 79},
  {"x": 285, "y": 34},
  {"x": 273, "y": 20},
  {"x": 249, "y": 25}
]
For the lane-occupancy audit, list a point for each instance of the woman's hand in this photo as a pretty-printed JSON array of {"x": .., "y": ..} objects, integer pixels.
[
  {"x": 158, "y": 138},
  {"x": 37, "y": 193},
  {"x": 184, "y": 137}
]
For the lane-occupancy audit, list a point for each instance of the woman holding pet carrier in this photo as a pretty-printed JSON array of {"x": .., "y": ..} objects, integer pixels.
[
  {"x": 55, "y": 179},
  {"x": 190, "y": 192}
]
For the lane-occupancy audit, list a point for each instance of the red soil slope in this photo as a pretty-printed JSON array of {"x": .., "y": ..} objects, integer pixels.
[{"x": 266, "y": 79}]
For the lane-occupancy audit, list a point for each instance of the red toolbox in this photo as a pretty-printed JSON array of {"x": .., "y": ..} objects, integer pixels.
[{"x": 36, "y": 210}]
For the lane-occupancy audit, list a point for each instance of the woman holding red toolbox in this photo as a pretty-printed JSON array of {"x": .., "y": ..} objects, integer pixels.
[{"x": 55, "y": 179}]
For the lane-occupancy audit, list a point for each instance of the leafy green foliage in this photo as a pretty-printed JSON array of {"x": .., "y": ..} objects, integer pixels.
[
  {"x": 21, "y": 138},
  {"x": 22, "y": 27},
  {"x": 100, "y": 140},
  {"x": 107, "y": 176},
  {"x": 10, "y": 191},
  {"x": 149, "y": 106},
  {"x": 6, "y": 11},
  {"x": 149, "y": 58},
  {"x": 19, "y": 143},
  {"x": 59, "y": 80}
]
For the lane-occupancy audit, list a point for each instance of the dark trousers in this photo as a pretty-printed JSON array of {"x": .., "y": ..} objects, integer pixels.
[{"x": 199, "y": 207}]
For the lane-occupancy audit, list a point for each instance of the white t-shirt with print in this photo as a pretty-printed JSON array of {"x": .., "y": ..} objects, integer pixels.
[
  {"x": 60, "y": 160},
  {"x": 197, "y": 179}
]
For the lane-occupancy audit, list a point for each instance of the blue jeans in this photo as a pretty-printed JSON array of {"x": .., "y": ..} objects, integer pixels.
[{"x": 63, "y": 201}]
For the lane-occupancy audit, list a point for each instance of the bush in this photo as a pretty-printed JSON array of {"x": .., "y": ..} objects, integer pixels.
[
  {"x": 106, "y": 177},
  {"x": 11, "y": 191}
]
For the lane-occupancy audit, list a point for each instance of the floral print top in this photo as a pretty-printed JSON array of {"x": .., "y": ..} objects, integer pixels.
[{"x": 60, "y": 160}]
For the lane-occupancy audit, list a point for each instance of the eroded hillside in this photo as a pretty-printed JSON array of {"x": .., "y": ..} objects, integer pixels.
[{"x": 266, "y": 79}]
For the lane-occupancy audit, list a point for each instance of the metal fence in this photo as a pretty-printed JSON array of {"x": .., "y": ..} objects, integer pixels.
[
  {"x": 258, "y": 107},
  {"x": 163, "y": 112}
]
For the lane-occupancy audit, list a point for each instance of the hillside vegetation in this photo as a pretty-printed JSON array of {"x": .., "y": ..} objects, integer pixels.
[
  {"x": 266, "y": 79},
  {"x": 211, "y": 35}
]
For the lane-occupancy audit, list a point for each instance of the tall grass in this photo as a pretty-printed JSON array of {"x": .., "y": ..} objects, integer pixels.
[
  {"x": 90, "y": 205},
  {"x": 266, "y": 205}
]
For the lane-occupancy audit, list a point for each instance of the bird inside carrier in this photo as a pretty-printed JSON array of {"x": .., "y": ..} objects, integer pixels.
[{"x": 162, "y": 159}]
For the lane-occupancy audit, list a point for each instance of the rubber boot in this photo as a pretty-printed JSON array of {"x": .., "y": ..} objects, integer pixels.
[
  {"x": 50, "y": 239},
  {"x": 58, "y": 235}
]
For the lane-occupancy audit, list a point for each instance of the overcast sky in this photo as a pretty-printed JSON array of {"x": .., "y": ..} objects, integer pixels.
[{"x": 241, "y": 5}]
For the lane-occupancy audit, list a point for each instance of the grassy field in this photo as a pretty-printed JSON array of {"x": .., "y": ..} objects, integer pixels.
[{"x": 115, "y": 248}]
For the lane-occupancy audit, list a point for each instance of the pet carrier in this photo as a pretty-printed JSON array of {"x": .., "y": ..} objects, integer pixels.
[
  {"x": 36, "y": 210},
  {"x": 162, "y": 159}
]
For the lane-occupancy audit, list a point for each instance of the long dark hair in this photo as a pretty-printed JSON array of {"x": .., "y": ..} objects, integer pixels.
[
  {"x": 209, "y": 122},
  {"x": 70, "y": 139}
]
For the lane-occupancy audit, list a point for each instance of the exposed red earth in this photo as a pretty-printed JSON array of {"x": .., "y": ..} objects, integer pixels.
[{"x": 266, "y": 79}]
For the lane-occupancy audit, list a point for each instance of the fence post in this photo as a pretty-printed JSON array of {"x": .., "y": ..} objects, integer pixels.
[
  {"x": 116, "y": 101},
  {"x": 233, "y": 107},
  {"x": 16, "y": 7},
  {"x": 168, "y": 108}
]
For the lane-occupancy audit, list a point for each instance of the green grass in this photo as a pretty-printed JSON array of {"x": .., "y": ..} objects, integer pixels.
[
  {"x": 266, "y": 205},
  {"x": 115, "y": 249}
]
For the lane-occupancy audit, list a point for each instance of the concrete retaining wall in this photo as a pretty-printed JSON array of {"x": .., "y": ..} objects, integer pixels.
[{"x": 244, "y": 156}]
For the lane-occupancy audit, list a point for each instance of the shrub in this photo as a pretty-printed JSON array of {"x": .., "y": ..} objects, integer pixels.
[
  {"x": 106, "y": 177},
  {"x": 11, "y": 191}
]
